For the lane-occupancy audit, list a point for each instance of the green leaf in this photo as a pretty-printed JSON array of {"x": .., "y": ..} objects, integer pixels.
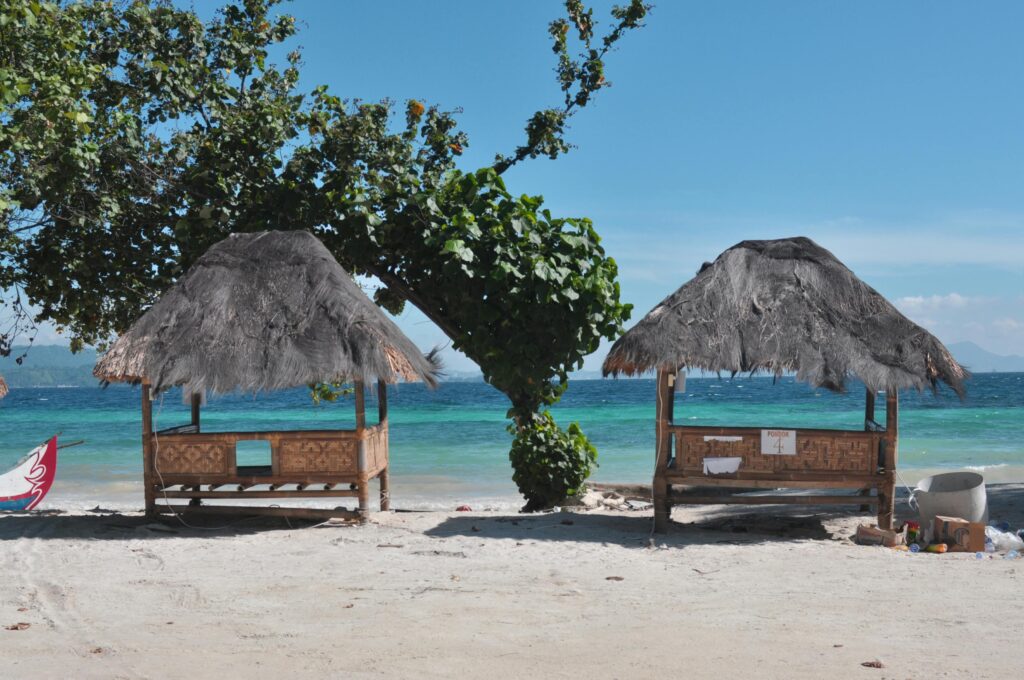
[
  {"x": 453, "y": 246},
  {"x": 77, "y": 116}
]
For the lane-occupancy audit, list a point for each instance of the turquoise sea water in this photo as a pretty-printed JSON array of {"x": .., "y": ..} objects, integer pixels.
[{"x": 450, "y": 445}]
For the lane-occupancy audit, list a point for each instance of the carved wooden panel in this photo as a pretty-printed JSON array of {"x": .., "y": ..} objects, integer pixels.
[
  {"x": 830, "y": 454},
  {"x": 377, "y": 451},
  {"x": 298, "y": 456},
  {"x": 192, "y": 457},
  {"x": 815, "y": 453}
]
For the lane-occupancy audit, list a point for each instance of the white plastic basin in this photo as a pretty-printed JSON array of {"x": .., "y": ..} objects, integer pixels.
[{"x": 952, "y": 494}]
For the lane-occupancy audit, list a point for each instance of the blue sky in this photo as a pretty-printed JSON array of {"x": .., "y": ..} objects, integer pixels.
[{"x": 891, "y": 133}]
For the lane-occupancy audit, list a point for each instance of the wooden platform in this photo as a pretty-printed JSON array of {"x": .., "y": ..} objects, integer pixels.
[
  {"x": 267, "y": 511},
  {"x": 185, "y": 463},
  {"x": 859, "y": 460}
]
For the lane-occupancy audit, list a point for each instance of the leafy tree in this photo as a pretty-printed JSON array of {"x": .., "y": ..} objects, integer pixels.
[
  {"x": 134, "y": 137},
  {"x": 548, "y": 463}
]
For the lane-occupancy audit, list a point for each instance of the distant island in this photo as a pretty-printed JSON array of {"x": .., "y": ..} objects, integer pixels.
[
  {"x": 49, "y": 366},
  {"x": 56, "y": 366},
  {"x": 979, "y": 360}
]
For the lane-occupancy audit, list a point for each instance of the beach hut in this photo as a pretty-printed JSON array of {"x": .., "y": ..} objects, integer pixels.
[
  {"x": 260, "y": 312},
  {"x": 781, "y": 306}
]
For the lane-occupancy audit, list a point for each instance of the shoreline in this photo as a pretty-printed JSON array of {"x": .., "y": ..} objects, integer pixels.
[{"x": 436, "y": 493}]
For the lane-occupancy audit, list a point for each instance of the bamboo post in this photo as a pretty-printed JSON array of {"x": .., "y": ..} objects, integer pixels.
[
  {"x": 382, "y": 402},
  {"x": 670, "y": 403},
  {"x": 148, "y": 466},
  {"x": 364, "y": 482},
  {"x": 360, "y": 406},
  {"x": 659, "y": 486},
  {"x": 196, "y": 400},
  {"x": 887, "y": 487},
  {"x": 869, "y": 419},
  {"x": 869, "y": 408},
  {"x": 382, "y": 422}
]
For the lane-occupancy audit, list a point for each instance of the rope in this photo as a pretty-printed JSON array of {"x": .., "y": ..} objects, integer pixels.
[{"x": 911, "y": 501}]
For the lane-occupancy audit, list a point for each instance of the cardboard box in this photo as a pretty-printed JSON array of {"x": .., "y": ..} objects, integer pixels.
[
  {"x": 959, "y": 534},
  {"x": 871, "y": 535}
]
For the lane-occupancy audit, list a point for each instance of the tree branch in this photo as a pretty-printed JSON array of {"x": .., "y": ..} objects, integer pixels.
[
  {"x": 545, "y": 127},
  {"x": 393, "y": 282}
]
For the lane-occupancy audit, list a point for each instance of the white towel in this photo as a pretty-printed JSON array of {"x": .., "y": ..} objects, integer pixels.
[{"x": 722, "y": 465}]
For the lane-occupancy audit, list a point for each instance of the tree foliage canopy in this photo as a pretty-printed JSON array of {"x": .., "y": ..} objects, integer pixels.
[{"x": 135, "y": 136}]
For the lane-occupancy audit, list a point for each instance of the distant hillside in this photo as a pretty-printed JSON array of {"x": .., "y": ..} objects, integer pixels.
[
  {"x": 979, "y": 360},
  {"x": 49, "y": 366}
]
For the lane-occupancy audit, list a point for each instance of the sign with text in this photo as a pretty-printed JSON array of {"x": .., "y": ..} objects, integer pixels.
[{"x": 778, "y": 442}]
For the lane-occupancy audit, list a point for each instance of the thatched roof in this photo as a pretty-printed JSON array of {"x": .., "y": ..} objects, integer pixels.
[
  {"x": 3, "y": 388},
  {"x": 786, "y": 305},
  {"x": 263, "y": 311}
]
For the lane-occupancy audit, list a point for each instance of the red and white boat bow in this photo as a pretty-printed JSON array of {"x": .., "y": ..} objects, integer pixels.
[{"x": 24, "y": 486}]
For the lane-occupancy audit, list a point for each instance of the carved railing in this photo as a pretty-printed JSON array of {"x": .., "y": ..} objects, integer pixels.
[
  {"x": 815, "y": 451},
  {"x": 296, "y": 457}
]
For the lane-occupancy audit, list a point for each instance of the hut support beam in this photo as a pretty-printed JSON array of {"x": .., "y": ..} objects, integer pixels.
[
  {"x": 360, "y": 406},
  {"x": 196, "y": 401},
  {"x": 148, "y": 470},
  {"x": 364, "y": 481},
  {"x": 382, "y": 420},
  {"x": 869, "y": 420},
  {"x": 663, "y": 445},
  {"x": 887, "y": 486}
]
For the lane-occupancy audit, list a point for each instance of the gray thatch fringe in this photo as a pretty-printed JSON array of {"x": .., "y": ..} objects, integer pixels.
[
  {"x": 259, "y": 312},
  {"x": 786, "y": 305}
]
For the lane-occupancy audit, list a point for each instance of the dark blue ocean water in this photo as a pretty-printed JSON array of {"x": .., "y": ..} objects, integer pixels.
[{"x": 451, "y": 444}]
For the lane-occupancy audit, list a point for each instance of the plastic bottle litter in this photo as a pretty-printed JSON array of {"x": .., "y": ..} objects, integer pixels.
[
  {"x": 937, "y": 548},
  {"x": 913, "y": 531},
  {"x": 979, "y": 555},
  {"x": 1012, "y": 555},
  {"x": 915, "y": 548},
  {"x": 1004, "y": 540},
  {"x": 1002, "y": 526}
]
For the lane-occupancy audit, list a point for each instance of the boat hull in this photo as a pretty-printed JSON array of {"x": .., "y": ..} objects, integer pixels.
[{"x": 25, "y": 485}]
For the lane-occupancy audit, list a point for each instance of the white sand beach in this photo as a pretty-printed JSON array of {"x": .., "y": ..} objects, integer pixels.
[{"x": 769, "y": 592}]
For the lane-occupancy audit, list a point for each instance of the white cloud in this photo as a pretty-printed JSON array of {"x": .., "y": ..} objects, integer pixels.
[
  {"x": 920, "y": 303},
  {"x": 952, "y": 241},
  {"x": 1008, "y": 324},
  {"x": 985, "y": 239}
]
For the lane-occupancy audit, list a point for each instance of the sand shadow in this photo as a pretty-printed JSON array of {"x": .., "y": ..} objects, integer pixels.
[
  {"x": 713, "y": 524},
  {"x": 118, "y": 526},
  {"x": 1006, "y": 504},
  {"x": 633, "y": 529},
  {"x": 728, "y": 524}
]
